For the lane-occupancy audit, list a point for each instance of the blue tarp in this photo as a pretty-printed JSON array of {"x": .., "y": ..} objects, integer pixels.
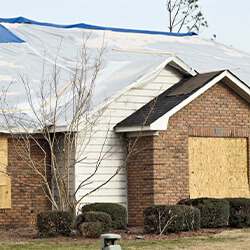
[
  {"x": 92, "y": 27},
  {"x": 8, "y": 37}
]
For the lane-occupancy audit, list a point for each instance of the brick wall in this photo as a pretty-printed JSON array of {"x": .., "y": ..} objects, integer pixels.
[
  {"x": 26, "y": 200},
  {"x": 160, "y": 174}
]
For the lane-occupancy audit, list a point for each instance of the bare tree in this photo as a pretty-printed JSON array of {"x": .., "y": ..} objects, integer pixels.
[
  {"x": 185, "y": 14},
  {"x": 62, "y": 146}
]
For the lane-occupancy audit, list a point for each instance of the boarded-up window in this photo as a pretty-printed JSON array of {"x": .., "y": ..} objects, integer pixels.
[
  {"x": 5, "y": 182},
  {"x": 218, "y": 167}
]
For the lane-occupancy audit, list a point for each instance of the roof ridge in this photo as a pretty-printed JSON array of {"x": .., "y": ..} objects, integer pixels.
[{"x": 92, "y": 27}]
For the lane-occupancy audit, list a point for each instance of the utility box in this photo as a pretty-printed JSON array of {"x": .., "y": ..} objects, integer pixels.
[{"x": 109, "y": 242}]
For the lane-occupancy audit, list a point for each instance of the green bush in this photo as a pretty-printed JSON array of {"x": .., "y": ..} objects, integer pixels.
[
  {"x": 117, "y": 213},
  {"x": 103, "y": 218},
  {"x": 54, "y": 223},
  {"x": 91, "y": 229},
  {"x": 214, "y": 212},
  {"x": 239, "y": 212},
  {"x": 175, "y": 218}
]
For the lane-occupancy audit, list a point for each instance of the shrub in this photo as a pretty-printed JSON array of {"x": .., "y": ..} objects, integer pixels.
[
  {"x": 54, "y": 223},
  {"x": 103, "y": 218},
  {"x": 239, "y": 212},
  {"x": 78, "y": 221},
  {"x": 214, "y": 212},
  {"x": 117, "y": 213},
  {"x": 175, "y": 218},
  {"x": 91, "y": 229}
]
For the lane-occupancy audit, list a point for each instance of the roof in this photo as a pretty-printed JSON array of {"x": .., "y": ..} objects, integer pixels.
[
  {"x": 167, "y": 100},
  {"x": 90, "y": 27},
  {"x": 177, "y": 95},
  {"x": 127, "y": 58}
]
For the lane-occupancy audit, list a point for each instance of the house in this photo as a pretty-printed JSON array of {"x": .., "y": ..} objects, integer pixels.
[{"x": 184, "y": 100}]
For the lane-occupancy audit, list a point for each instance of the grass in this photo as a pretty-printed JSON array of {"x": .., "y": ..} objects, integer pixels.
[
  {"x": 235, "y": 239},
  {"x": 48, "y": 246}
]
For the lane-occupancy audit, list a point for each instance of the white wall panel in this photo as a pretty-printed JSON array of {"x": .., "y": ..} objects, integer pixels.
[{"x": 118, "y": 110}]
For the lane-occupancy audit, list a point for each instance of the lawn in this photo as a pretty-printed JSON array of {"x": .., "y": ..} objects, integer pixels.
[{"x": 234, "y": 239}]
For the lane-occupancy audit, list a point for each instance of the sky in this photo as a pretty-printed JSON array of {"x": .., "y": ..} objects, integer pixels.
[{"x": 228, "y": 19}]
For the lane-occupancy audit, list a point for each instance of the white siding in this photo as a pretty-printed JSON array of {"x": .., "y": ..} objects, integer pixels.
[{"x": 114, "y": 151}]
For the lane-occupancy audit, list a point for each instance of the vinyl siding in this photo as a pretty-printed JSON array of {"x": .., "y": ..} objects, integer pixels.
[{"x": 113, "y": 152}]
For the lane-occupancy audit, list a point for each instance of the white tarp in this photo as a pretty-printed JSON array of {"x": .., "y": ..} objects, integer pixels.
[{"x": 34, "y": 60}]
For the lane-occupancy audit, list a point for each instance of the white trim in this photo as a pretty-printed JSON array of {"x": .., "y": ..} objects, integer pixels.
[
  {"x": 238, "y": 86},
  {"x": 62, "y": 128},
  {"x": 143, "y": 133},
  {"x": 182, "y": 66},
  {"x": 17, "y": 130},
  {"x": 132, "y": 129},
  {"x": 161, "y": 123}
]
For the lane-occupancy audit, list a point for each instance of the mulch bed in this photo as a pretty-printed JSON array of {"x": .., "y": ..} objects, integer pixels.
[{"x": 30, "y": 235}]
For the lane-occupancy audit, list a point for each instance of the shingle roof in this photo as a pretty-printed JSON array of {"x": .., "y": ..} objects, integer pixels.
[{"x": 167, "y": 100}]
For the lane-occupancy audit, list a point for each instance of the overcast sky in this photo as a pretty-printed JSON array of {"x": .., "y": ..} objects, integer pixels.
[{"x": 228, "y": 19}]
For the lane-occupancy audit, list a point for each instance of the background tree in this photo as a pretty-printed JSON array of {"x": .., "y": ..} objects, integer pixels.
[{"x": 185, "y": 14}]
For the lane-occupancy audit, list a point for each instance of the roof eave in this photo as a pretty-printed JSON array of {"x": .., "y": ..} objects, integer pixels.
[{"x": 132, "y": 129}]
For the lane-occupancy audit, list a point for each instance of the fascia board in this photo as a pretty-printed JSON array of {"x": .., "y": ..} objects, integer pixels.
[
  {"x": 58, "y": 129},
  {"x": 16, "y": 130},
  {"x": 184, "y": 67},
  {"x": 132, "y": 129},
  {"x": 142, "y": 134},
  {"x": 162, "y": 122},
  {"x": 238, "y": 86}
]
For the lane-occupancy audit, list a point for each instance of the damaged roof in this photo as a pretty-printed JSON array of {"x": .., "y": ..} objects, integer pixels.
[{"x": 126, "y": 59}]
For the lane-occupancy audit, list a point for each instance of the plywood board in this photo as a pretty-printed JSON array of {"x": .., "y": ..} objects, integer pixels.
[
  {"x": 5, "y": 181},
  {"x": 218, "y": 167},
  {"x": 5, "y": 194}
]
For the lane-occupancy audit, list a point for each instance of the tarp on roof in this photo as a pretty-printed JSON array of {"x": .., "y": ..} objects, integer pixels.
[
  {"x": 122, "y": 65},
  {"x": 91, "y": 27},
  {"x": 8, "y": 37}
]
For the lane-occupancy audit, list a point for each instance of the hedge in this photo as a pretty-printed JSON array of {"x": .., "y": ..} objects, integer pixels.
[
  {"x": 174, "y": 218},
  {"x": 239, "y": 212},
  {"x": 117, "y": 213},
  {"x": 54, "y": 223},
  {"x": 91, "y": 229},
  {"x": 214, "y": 212},
  {"x": 103, "y": 218}
]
